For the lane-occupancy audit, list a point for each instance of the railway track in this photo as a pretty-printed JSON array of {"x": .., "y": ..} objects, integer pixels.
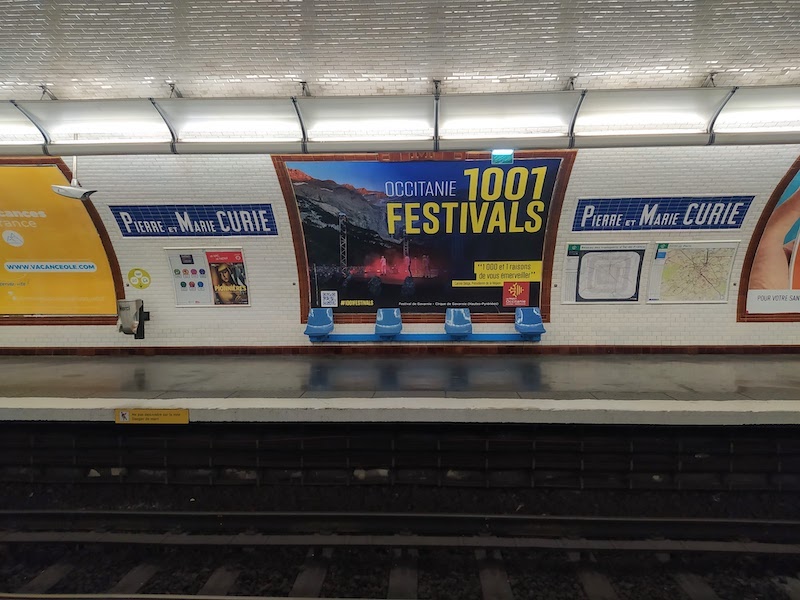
[{"x": 370, "y": 555}]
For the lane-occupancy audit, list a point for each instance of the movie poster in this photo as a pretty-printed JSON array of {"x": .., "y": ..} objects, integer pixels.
[
  {"x": 424, "y": 236},
  {"x": 774, "y": 278},
  {"x": 228, "y": 277}
]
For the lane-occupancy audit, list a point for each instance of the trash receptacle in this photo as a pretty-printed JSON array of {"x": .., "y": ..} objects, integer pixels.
[{"x": 131, "y": 317}]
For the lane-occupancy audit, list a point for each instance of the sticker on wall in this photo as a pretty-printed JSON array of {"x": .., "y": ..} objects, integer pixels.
[
  {"x": 425, "y": 236},
  {"x": 661, "y": 213},
  {"x": 195, "y": 220},
  {"x": 602, "y": 272},
  {"x": 691, "y": 272},
  {"x": 52, "y": 258},
  {"x": 208, "y": 277},
  {"x": 139, "y": 278}
]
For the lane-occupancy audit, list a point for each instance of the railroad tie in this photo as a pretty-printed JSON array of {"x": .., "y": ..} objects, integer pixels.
[
  {"x": 46, "y": 579},
  {"x": 312, "y": 574},
  {"x": 790, "y": 585},
  {"x": 220, "y": 582},
  {"x": 493, "y": 576},
  {"x": 134, "y": 579},
  {"x": 695, "y": 587},
  {"x": 596, "y": 586},
  {"x": 403, "y": 578}
]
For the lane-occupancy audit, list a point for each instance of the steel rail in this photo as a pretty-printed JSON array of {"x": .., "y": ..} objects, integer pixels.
[
  {"x": 23, "y": 596},
  {"x": 155, "y": 523},
  {"x": 400, "y": 541}
]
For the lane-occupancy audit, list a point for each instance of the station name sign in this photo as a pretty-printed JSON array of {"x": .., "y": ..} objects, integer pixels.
[
  {"x": 668, "y": 213},
  {"x": 195, "y": 220}
]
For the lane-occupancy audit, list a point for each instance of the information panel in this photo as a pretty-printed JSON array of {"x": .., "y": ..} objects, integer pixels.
[
  {"x": 424, "y": 235},
  {"x": 691, "y": 272},
  {"x": 206, "y": 277},
  {"x": 602, "y": 272}
]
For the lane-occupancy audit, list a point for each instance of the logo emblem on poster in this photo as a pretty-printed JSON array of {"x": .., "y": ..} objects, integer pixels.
[
  {"x": 12, "y": 238},
  {"x": 516, "y": 293}
]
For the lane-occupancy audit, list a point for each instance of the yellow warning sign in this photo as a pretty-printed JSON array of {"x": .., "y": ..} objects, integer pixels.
[{"x": 152, "y": 416}]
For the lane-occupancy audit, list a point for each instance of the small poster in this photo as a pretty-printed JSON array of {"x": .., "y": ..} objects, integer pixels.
[
  {"x": 228, "y": 277},
  {"x": 208, "y": 277},
  {"x": 602, "y": 272}
]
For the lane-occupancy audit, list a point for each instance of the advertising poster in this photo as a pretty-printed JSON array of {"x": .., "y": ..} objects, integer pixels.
[
  {"x": 602, "y": 272},
  {"x": 52, "y": 260},
  {"x": 208, "y": 277},
  {"x": 691, "y": 272},
  {"x": 228, "y": 278},
  {"x": 424, "y": 236},
  {"x": 774, "y": 278}
]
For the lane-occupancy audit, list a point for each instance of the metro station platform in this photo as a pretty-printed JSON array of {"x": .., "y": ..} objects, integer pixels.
[{"x": 643, "y": 389}]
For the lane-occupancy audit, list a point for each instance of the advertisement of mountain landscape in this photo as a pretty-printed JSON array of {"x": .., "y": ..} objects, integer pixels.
[{"x": 424, "y": 236}]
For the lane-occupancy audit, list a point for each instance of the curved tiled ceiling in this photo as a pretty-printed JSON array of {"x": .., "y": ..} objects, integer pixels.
[{"x": 93, "y": 49}]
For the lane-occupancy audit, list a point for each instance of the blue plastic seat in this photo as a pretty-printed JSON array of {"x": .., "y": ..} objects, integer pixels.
[
  {"x": 528, "y": 323},
  {"x": 320, "y": 323},
  {"x": 457, "y": 322},
  {"x": 388, "y": 322}
]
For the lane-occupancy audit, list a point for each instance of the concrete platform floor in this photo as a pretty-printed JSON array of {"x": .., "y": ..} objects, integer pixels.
[{"x": 614, "y": 388}]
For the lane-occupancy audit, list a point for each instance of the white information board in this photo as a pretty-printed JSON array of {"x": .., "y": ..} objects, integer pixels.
[{"x": 602, "y": 272}]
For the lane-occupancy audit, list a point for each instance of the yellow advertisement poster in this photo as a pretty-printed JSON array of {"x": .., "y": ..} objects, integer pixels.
[{"x": 52, "y": 260}]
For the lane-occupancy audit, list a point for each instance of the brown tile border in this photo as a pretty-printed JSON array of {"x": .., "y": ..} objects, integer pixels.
[
  {"x": 554, "y": 213},
  {"x": 379, "y": 349},
  {"x": 11, "y": 321}
]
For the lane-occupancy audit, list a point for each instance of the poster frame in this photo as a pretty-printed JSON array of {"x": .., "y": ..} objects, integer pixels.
[
  {"x": 742, "y": 316},
  {"x": 691, "y": 242},
  {"x": 639, "y": 281},
  {"x": 105, "y": 239},
  {"x": 548, "y": 251},
  {"x": 205, "y": 249}
]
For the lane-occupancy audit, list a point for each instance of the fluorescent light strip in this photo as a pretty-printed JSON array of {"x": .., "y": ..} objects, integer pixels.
[
  {"x": 508, "y": 127},
  {"x": 371, "y": 130},
  {"x": 745, "y": 121},
  {"x": 221, "y": 130}
]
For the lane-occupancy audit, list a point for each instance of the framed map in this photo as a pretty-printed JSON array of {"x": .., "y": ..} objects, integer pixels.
[
  {"x": 691, "y": 272},
  {"x": 602, "y": 272}
]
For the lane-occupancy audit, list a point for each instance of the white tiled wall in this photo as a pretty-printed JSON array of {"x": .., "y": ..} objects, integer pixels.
[
  {"x": 273, "y": 318},
  {"x": 634, "y": 172}
]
